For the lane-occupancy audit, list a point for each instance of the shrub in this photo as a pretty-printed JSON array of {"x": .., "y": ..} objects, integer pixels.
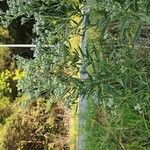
[
  {"x": 5, "y": 59},
  {"x": 5, "y": 108},
  {"x": 4, "y": 83},
  {"x": 8, "y": 81},
  {"x": 51, "y": 72},
  {"x": 4, "y": 35},
  {"x": 36, "y": 127}
]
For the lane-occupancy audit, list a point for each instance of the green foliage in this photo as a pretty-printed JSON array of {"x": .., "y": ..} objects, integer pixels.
[
  {"x": 51, "y": 73},
  {"x": 120, "y": 22},
  {"x": 118, "y": 97},
  {"x": 117, "y": 87},
  {"x": 117, "y": 84}
]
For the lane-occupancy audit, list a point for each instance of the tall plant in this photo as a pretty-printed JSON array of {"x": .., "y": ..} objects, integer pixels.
[{"x": 117, "y": 87}]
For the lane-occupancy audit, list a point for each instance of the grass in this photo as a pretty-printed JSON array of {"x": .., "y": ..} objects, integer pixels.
[
  {"x": 118, "y": 105},
  {"x": 117, "y": 92}
]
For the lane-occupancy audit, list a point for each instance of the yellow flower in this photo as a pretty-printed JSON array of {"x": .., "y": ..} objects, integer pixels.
[{"x": 18, "y": 74}]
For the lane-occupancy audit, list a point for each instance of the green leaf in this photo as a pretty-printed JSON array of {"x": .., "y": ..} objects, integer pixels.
[{"x": 122, "y": 29}]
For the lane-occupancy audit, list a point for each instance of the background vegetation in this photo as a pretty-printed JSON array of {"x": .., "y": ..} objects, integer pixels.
[
  {"x": 36, "y": 118},
  {"x": 46, "y": 80}
]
